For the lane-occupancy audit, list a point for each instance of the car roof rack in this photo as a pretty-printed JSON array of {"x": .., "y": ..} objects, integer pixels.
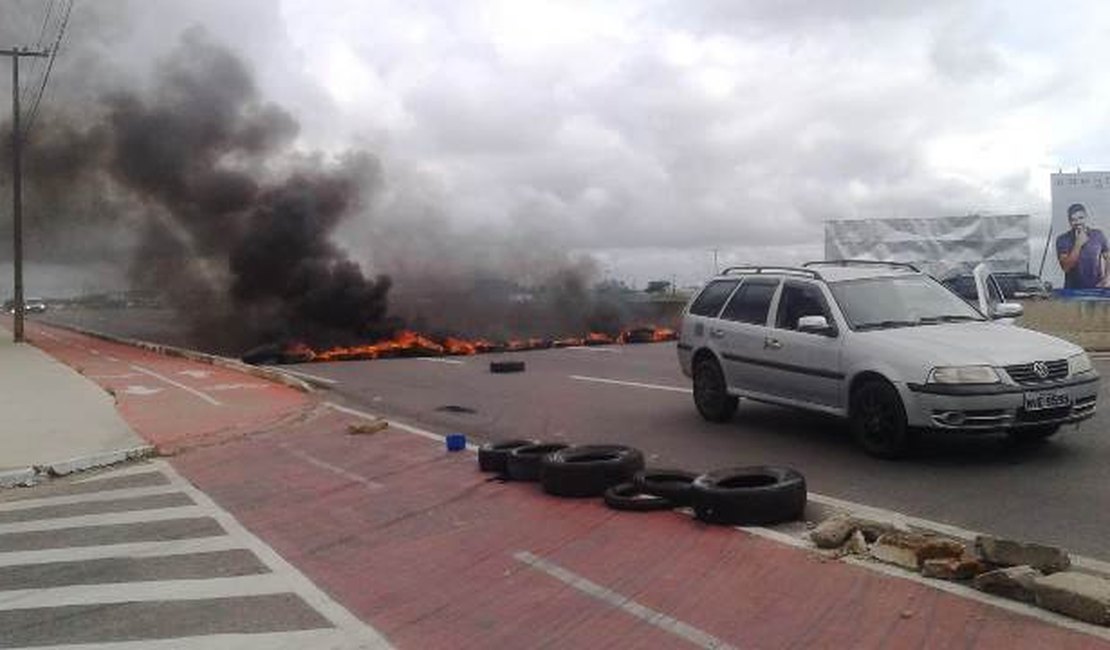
[
  {"x": 791, "y": 270},
  {"x": 894, "y": 265}
]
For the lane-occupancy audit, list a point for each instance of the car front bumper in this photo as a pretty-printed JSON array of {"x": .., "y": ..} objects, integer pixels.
[{"x": 974, "y": 409}]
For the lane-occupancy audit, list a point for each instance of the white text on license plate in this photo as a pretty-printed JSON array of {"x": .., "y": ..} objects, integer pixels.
[{"x": 1046, "y": 399}]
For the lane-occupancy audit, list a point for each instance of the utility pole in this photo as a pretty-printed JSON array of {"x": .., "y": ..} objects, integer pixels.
[{"x": 17, "y": 188}]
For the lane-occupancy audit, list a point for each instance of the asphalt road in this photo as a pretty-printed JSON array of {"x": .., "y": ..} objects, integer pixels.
[{"x": 1054, "y": 493}]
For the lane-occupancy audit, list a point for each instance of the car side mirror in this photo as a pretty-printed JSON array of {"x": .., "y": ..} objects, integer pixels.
[
  {"x": 1007, "y": 310},
  {"x": 815, "y": 325}
]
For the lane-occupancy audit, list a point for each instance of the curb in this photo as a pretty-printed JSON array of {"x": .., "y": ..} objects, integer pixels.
[
  {"x": 30, "y": 476},
  {"x": 305, "y": 385}
]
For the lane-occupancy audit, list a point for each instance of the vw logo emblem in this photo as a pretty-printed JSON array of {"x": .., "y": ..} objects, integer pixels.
[{"x": 1040, "y": 368}]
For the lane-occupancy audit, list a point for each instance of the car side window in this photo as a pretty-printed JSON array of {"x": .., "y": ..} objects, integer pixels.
[
  {"x": 712, "y": 297},
  {"x": 800, "y": 299},
  {"x": 752, "y": 301}
]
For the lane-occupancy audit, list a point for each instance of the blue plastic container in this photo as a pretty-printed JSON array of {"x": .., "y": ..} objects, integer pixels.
[{"x": 456, "y": 442}]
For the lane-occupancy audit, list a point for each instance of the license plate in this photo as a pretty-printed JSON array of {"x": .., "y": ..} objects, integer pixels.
[{"x": 1046, "y": 399}]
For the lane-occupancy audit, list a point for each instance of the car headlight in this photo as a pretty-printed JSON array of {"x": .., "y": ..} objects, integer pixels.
[
  {"x": 1079, "y": 363},
  {"x": 964, "y": 375}
]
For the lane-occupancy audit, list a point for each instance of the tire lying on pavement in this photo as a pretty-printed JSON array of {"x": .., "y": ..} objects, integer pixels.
[
  {"x": 589, "y": 470},
  {"x": 523, "y": 463},
  {"x": 749, "y": 496},
  {"x": 675, "y": 485},
  {"x": 506, "y": 366},
  {"x": 626, "y": 496},
  {"x": 493, "y": 455}
]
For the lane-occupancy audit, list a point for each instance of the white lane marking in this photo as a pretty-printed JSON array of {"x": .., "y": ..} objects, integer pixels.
[
  {"x": 129, "y": 592},
  {"x": 305, "y": 375},
  {"x": 208, "y": 398},
  {"x": 103, "y": 495},
  {"x": 450, "y": 362},
  {"x": 111, "y": 358},
  {"x": 126, "y": 375},
  {"x": 357, "y": 630},
  {"x": 396, "y": 425},
  {"x": 47, "y": 335},
  {"x": 594, "y": 348},
  {"x": 293, "y": 640},
  {"x": 634, "y": 384},
  {"x": 94, "y": 352},
  {"x": 660, "y": 620},
  {"x": 219, "y": 387},
  {"x": 141, "y": 390},
  {"x": 131, "y": 550},
  {"x": 104, "y": 519},
  {"x": 195, "y": 374},
  {"x": 335, "y": 469}
]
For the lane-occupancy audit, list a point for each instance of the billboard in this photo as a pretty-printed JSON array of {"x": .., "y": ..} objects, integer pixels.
[
  {"x": 1078, "y": 248},
  {"x": 941, "y": 246}
]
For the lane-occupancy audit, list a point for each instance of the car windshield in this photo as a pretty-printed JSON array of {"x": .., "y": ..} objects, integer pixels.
[{"x": 876, "y": 303}]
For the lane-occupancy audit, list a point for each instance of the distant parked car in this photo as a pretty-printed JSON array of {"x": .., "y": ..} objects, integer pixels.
[
  {"x": 30, "y": 306},
  {"x": 1003, "y": 287}
]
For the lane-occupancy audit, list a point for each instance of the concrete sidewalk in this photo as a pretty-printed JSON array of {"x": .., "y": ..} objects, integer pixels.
[{"x": 53, "y": 416}]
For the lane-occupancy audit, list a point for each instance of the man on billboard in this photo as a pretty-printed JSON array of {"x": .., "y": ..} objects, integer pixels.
[{"x": 1084, "y": 252}]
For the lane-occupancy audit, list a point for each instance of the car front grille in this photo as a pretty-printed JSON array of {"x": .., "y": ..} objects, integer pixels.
[{"x": 1025, "y": 374}]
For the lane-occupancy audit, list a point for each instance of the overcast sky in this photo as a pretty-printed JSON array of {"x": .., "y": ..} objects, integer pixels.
[{"x": 650, "y": 133}]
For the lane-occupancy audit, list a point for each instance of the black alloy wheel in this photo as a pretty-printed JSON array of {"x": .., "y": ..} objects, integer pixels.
[
  {"x": 711, "y": 392},
  {"x": 878, "y": 420}
]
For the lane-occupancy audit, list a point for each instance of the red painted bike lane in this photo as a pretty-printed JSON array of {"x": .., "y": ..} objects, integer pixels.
[{"x": 419, "y": 544}]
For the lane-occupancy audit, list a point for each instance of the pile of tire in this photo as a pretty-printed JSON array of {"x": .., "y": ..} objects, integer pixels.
[{"x": 737, "y": 496}]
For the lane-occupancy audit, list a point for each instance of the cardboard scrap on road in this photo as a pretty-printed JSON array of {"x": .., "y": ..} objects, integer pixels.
[{"x": 365, "y": 428}]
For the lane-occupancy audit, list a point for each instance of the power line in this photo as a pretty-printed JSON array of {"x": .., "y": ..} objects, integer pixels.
[
  {"x": 49, "y": 67},
  {"x": 35, "y": 63}
]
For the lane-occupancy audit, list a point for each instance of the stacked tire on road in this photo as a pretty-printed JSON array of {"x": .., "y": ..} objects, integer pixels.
[
  {"x": 589, "y": 470},
  {"x": 739, "y": 496}
]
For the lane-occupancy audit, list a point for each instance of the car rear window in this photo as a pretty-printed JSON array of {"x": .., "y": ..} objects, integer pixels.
[
  {"x": 752, "y": 301},
  {"x": 712, "y": 297}
]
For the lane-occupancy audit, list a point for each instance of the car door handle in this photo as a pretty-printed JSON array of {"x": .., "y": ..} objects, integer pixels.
[
  {"x": 715, "y": 333},
  {"x": 771, "y": 343}
]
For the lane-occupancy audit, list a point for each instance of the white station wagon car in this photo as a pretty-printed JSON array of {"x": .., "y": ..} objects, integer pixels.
[{"x": 883, "y": 345}]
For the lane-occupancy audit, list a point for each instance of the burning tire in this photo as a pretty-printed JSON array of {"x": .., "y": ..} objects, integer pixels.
[
  {"x": 523, "y": 463},
  {"x": 627, "y": 496},
  {"x": 492, "y": 456},
  {"x": 675, "y": 485},
  {"x": 749, "y": 496},
  {"x": 506, "y": 366},
  {"x": 589, "y": 470}
]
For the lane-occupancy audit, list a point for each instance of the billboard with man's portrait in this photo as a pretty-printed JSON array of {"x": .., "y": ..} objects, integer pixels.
[{"x": 1079, "y": 246}]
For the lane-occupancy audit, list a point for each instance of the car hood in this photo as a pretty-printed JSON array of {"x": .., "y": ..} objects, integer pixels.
[{"x": 974, "y": 343}]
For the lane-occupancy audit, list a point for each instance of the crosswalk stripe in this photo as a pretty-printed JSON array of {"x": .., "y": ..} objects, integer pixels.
[
  {"x": 296, "y": 640},
  {"x": 136, "y": 549},
  {"x": 109, "y": 519},
  {"x": 127, "y": 592},
  {"x": 106, "y": 495}
]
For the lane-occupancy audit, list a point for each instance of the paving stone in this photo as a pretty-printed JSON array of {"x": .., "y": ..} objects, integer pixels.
[
  {"x": 1015, "y": 583},
  {"x": 1077, "y": 595},
  {"x": 1006, "y": 552}
]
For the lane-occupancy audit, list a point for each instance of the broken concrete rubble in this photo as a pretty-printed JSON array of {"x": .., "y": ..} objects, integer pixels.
[
  {"x": 834, "y": 531},
  {"x": 899, "y": 548},
  {"x": 1015, "y": 583},
  {"x": 964, "y": 567},
  {"x": 1077, "y": 595},
  {"x": 1005, "y": 552}
]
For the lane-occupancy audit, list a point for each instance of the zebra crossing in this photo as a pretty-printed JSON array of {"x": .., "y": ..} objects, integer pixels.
[{"x": 139, "y": 558}]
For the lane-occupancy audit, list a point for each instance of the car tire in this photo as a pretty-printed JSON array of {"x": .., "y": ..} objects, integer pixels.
[
  {"x": 523, "y": 463},
  {"x": 749, "y": 496},
  {"x": 878, "y": 420},
  {"x": 711, "y": 392},
  {"x": 493, "y": 455},
  {"x": 626, "y": 496},
  {"x": 500, "y": 367},
  {"x": 588, "y": 470},
  {"x": 675, "y": 485},
  {"x": 1034, "y": 435}
]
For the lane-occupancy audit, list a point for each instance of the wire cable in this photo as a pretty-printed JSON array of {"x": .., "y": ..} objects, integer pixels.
[{"x": 49, "y": 67}]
